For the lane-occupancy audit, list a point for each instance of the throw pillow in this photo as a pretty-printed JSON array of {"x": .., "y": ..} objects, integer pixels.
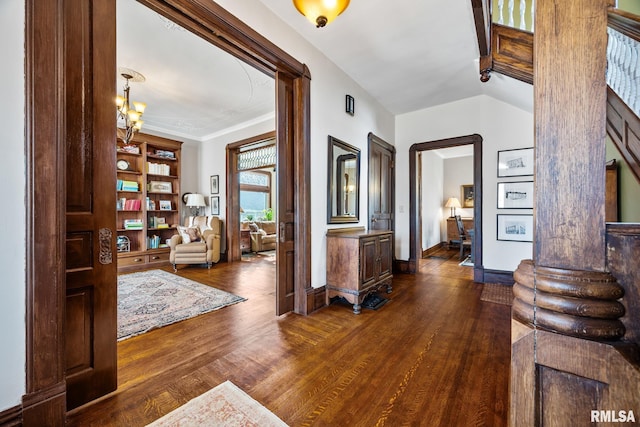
[
  {"x": 194, "y": 234},
  {"x": 182, "y": 231},
  {"x": 253, "y": 226},
  {"x": 262, "y": 232}
]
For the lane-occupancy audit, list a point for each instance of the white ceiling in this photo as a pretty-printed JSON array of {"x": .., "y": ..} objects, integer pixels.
[{"x": 408, "y": 55}]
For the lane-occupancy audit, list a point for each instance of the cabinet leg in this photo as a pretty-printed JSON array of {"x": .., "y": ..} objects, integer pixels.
[{"x": 356, "y": 308}]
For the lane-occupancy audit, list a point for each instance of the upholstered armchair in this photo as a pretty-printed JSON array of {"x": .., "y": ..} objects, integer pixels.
[{"x": 198, "y": 242}]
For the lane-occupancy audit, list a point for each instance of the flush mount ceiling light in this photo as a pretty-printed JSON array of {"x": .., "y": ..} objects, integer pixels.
[{"x": 321, "y": 12}]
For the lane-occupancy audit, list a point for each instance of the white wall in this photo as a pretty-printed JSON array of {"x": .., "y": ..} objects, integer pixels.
[
  {"x": 432, "y": 199},
  {"x": 329, "y": 85},
  {"x": 502, "y": 127},
  {"x": 12, "y": 194},
  {"x": 457, "y": 171}
]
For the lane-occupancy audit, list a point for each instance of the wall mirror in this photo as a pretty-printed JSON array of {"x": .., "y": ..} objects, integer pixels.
[{"x": 343, "y": 191}]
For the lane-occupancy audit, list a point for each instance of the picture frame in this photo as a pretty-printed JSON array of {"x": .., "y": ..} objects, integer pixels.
[
  {"x": 160, "y": 187},
  {"x": 516, "y": 162},
  {"x": 215, "y": 205},
  {"x": 165, "y": 205},
  {"x": 466, "y": 195},
  {"x": 215, "y": 188},
  {"x": 515, "y": 228},
  {"x": 515, "y": 195}
]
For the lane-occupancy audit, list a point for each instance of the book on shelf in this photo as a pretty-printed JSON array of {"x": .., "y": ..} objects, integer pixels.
[
  {"x": 133, "y": 224},
  {"x": 153, "y": 242},
  {"x": 131, "y": 204},
  {"x": 158, "y": 169},
  {"x": 124, "y": 185}
]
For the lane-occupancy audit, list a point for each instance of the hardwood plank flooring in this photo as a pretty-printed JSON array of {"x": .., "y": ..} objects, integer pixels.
[{"x": 434, "y": 355}]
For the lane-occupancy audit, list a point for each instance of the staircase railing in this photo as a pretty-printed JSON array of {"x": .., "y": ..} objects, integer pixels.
[{"x": 514, "y": 13}]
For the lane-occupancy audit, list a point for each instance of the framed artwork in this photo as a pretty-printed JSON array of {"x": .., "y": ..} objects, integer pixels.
[
  {"x": 517, "y": 162},
  {"x": 466, "y": 195},
  {"x": 215, "y": 205},
  {"x": 165, "y": 205},
  {"x": 515, "y": 195},
  {"x": 515, "y": 228},
  {"x": 215, "y": 189},
  {"x": 160, "y": 187}
]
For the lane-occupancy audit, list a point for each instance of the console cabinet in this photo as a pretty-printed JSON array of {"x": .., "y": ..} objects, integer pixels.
[{"x": 358, "y": 262}]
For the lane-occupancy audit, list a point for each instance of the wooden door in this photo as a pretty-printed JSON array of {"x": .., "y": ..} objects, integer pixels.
[
  {"x": 381, "y": 184},
  {"x": 285, "y": 211},
  {"x": 90, "y": 140}
]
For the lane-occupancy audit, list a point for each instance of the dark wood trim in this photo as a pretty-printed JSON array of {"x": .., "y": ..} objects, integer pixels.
[
  {"x": 512, "y": 52},
  {"x": 432, "y": 249},
  {"x": 625, "y": 22},
  {"x": 402, "y": 266},
  {"x": 482, "y": 18},
  {"x": 497, "y": 276},
  {"x": 45, "y": 203},
  {"x": 414, "y": 214},
  {"x": 11, "y": 417},
  {"x": 623, "y": 126},
  {"x": 316, "y": 298}
]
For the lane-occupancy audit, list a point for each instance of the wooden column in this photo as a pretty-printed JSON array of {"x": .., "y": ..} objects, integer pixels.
[{"x": 565, "y": 300}]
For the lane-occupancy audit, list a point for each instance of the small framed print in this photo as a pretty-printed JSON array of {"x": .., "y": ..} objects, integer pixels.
[
  {"x": 215, "y": 189},
  {"x": 160, "y": 187},
  {"x": 165, "y": 205},
  {"x": 466, "y": 194},
  {"x": 515, "y": 195},
  {"x": 515, "y": 228},
  {"x": 215, "y": 205},
  {"x": 517, "y": 162}
]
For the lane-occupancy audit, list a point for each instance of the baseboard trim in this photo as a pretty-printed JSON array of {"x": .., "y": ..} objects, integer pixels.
[
  {"x": 432, "y": 249},
  {"x": 316, "y": 298},
  {"x": 402, "y": 266},
  {"x": 498, "y": 276},
  {"x": 11, "y": 417}
]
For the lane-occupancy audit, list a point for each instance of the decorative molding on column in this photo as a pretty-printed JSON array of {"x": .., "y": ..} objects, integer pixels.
[{"x": 581, "y": 304}]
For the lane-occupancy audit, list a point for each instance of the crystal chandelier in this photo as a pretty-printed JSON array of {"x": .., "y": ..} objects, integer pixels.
[{"x": 130, "y": 118}]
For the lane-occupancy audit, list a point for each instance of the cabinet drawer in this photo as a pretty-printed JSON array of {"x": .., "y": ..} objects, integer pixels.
[
  {"x": 164, "y": 256},
  {"x": 132, "y": 260}
]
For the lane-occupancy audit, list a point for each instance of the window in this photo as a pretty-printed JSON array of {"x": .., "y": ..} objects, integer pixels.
[{"x": 255, "y": 194}]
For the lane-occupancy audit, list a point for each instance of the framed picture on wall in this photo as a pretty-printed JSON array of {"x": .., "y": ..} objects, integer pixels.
[
  {"x": 515, "y": 195},
  {"x": 466, "y": 195},
  {"x": 515, "y": 228},
  {"x": 215, "y": 205},
  {"x": 518, "y": 162},
  {"x": 215, "y": 189}
]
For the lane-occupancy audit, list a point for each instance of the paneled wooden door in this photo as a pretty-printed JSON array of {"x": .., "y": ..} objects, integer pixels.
[
  {"x": 381, "y": 184},
  {"x": 90, "y": 135},
  {"x": 285, "y": 211}
]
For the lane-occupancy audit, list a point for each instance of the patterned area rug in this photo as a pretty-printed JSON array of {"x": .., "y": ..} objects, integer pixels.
[
  {"x": 499, "y": 294},
  {"x": 223, "y": 406},
  {"x": 151, "y": 299}
]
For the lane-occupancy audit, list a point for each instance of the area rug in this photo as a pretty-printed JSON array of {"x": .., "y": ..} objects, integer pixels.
[
  {"x": 151, "y": 299},
  {"x": 467, "y": 262},
  {"x": 223, "y": 406},
  {"x": 498, "y": 294}
]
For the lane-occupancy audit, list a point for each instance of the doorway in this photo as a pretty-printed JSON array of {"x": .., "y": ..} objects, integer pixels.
[
  {"x": 46, "y": 56},
  {"x": 415, "y": 192}
]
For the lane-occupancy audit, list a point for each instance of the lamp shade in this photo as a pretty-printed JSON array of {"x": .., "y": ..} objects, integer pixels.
[
  {"x": 321, "y": 12},
  {"x": 195, "y": 200},
  {"x": 453, "y": 203}
]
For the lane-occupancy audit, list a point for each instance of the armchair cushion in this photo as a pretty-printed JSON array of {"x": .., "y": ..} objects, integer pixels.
[{"x": 189, "y": 234}]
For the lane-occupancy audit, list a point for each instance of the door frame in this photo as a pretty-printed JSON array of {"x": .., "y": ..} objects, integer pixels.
[
  {"x": 45, "y": 110},
  {"x": 415, "y": 244}
]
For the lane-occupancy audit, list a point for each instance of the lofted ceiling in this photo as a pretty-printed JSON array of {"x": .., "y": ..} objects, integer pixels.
[{"x": 408, "y": 55}]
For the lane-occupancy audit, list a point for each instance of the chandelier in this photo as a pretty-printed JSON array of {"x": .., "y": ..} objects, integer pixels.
[
  {"x": 131, "y": 118},
  {"x": 321, "y": 12}
]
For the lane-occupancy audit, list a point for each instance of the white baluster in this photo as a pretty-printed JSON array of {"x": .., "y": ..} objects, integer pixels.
[
  {"x": 501, "y": 12},
  {"x": 511, "y": 24},
  {"x": 623, "y": 68},
  {"x": 523, "y": 7},
  {"x": 533, "y": 15}
]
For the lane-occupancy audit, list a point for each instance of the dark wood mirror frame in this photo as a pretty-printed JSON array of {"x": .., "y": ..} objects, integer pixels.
[{"x": 343, "y": 201}]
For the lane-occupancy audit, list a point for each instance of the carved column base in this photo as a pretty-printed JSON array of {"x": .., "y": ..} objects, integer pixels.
[{"x": 581, "y": 304}]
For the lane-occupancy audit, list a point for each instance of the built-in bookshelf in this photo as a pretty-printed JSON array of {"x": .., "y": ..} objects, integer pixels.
[{"x": 148, "y": 201}]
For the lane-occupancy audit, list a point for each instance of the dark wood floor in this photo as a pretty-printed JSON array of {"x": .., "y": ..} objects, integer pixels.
[{"x": 435, "y": 355}]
